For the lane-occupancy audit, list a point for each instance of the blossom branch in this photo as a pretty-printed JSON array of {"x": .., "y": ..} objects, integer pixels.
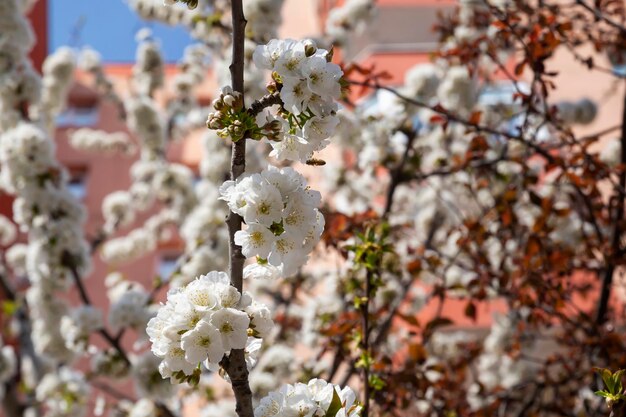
[{"x": 235, "y": 363}]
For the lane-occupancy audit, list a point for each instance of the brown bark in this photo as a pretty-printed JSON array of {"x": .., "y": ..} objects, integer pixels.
[{"x": 235, "y": 364}]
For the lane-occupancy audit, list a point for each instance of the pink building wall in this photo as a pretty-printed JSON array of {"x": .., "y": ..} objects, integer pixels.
[
  {"x": 301, "y": 18},
  {"x": 107, "y": 174}
]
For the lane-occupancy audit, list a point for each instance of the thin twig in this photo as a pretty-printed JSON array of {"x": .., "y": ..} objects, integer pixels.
[
  {"x": 365, "y": 344},
  {"x": 617, "y": 217},
  {"x": 84, "y": 296},
  {"x": 454, "y": 118},
  {"x": 264, "y": 102},
  {"x": 601, "y": 16},
  {"x": 397, "y": 174},
  {"x": 6, "y": 287}
]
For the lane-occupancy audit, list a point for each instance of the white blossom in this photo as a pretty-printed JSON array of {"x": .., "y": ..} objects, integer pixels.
[
  {"x": 202, "y": 322},
  {"x": 310, "y": 86},
  {"x": 281, "y": 212},
  {"x": 310, "y": 399}
]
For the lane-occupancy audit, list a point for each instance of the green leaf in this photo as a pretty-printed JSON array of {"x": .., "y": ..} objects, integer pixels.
[
  {"x": 607, "y": 377},
  {"x": 612, "y": 381},
  {"x": 365, "y": 361},
  {"x": 335, "y": 405},
  {"x": 376, "y": 382},
  {"x": 617, "y": 381},
  {"x": 602, "y": 394}
]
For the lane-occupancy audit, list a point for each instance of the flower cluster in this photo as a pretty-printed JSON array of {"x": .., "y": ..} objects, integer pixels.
[
  {"x": 19, "y": 81},
  {"x": 102, "y": 142},
  {"x": 58, "y": 70},
  {"x": 184, "y": 113},
  {"x": 317, "y": 398},
  {"x": 90, "y": 61},
  {"x": 202, "y": 322},
  {"x": 264, "y": 18},
  {"x": 281, "y": 213},
  {"x": 309, "y": 84},
  {"x": 148, "y": 71},
  {"x": 167, "y": 183},
  {"x": 44, "y": 207},
  {"x": 130, "y": 305},
  {"x": 350, "y": 17},
  {"x": 65, "y": 393},
  {"x": 117, "y": 210},
  {"x": 146, "y": 122},
  {"x": 78, "y": 325}
]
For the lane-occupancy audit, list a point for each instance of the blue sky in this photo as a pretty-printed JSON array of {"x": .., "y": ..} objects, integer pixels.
[{"x": 109, "y": 26}]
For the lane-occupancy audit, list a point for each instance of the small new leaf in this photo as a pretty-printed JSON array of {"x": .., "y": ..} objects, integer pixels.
[
  {"x": 602, "y": 394},
  {"x": 614, "y": 388}
]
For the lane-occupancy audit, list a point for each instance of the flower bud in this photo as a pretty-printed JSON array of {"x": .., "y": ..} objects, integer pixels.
[
  {"x": 238, "y": 104},
  {"x": 214, "y": 121},
  {"x": 218, "y": 104},
  {"x": 309, "y": 48},
  {"x": 229, "y": 100},
  {"x": 226, "y": 91}
]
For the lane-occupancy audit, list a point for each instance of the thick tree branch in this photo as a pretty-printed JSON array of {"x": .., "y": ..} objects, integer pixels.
[{"x": 235, "y": 363}]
